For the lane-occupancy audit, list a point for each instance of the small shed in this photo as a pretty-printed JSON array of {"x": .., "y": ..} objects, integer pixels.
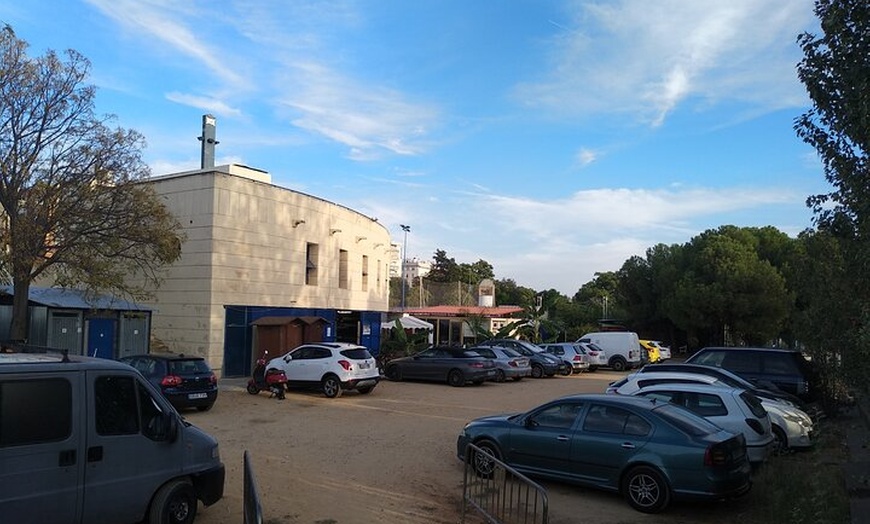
[
  {"x": 278, "y": 334},
  {"x": 85, "y": 324}
]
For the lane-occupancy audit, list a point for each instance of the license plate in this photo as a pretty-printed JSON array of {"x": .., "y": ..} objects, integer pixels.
[
  {"x": 365, "y": 365},
  {"x": 192, "y": 396}
]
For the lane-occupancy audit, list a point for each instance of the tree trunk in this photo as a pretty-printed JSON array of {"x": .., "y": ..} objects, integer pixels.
[{"x": 20, "y": 311}]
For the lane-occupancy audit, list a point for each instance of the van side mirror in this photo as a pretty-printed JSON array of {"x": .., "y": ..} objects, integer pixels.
[{"x": 162, "y": 427}]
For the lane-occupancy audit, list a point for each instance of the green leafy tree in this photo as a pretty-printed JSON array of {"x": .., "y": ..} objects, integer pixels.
[
  {"x": 836, "y": 73},
  {"x": 444, "y": 268},
  {"x": 508, "y": 293},
  {"x": 727, "y": 294},
  {"x": 71, "y": 188}
]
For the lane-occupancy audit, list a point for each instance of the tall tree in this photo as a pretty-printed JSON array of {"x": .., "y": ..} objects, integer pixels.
[
  {"x": 76, "y": 210},
  {"x": 836, "y": 73}
]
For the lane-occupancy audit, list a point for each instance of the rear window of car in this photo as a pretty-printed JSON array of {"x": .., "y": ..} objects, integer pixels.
[
  {"x": 357, "y": 354},
  {"x": 188, "y": 367},
  {"x": 685, "y": 420},
  {"x": 754, "y": 404}
]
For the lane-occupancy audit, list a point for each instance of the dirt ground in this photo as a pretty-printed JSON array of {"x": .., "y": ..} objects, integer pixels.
[{"x": 390, "y": 456}]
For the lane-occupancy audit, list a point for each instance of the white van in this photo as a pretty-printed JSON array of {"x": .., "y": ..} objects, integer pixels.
[
  {"x": 90, "y": 440},
  {"x": 622, "y": 348}
]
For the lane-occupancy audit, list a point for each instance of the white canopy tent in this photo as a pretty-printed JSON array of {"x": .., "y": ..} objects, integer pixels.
[{"x": 408, "y": 322}]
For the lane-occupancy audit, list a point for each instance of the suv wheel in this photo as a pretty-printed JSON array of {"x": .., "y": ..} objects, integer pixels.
[{"x": 331, "y": 386}]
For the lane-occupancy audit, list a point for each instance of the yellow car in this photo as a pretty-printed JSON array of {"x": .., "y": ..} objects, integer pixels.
[{"x": 652, "y": 350}]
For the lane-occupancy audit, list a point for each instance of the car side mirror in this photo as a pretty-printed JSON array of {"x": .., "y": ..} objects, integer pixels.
[
  {"x": 287, "y": 358},
  {"x": 530, "y": 423}
]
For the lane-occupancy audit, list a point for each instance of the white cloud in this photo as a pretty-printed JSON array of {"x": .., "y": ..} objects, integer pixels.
[
  {"x": 214, "y": 106},
  {"x": 586, "y": 156},
  {"x": 645, "y": 58},
  {"x": 370, "y": 121},
  {"x": 165, "y": 22}
]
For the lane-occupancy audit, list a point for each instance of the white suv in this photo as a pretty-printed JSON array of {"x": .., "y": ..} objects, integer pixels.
[{"x": 332, "y": 367}]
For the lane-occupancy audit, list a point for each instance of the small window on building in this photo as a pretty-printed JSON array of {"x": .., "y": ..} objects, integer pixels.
[
  {"x": 365, "y": 273},
  {"x": 311, "y": 253},
  {"x": 342, "y": 269},
  {"x": 378, "y": 282}
]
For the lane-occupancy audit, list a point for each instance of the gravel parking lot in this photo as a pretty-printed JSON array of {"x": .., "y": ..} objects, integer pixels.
[{"x": 389, "y": 457}]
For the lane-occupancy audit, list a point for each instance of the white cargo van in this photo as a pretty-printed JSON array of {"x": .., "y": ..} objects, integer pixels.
[
  {"x": 622, "y": 348},
  {"x": 85, "y": 440}
]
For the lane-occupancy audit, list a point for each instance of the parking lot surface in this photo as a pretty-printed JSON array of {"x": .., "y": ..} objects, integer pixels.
[{"x": 390, "y": 456}]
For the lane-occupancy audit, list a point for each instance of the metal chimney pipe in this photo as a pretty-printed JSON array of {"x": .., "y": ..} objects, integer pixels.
[{"x": 208, "y": 141}]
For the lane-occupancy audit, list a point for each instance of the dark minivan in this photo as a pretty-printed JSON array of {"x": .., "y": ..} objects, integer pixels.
[{"x": 786, "y": 369}]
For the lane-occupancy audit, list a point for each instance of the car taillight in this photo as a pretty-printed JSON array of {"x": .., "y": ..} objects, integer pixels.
[
  {"x": 476, "y": 365},
  {"x": 212, "y": 379},
  {"x": 577, "y": 358},
  {"x": 513, "y": 363},
  {"x": 755, "y": 425},
  {"x": 170, "y": 381},
  {"x": 345, "y": 364},
  {"x": 716, "y": 455}
]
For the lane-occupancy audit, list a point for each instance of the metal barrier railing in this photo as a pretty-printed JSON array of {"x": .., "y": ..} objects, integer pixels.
[
  {"x": 252, "y": 508},
  {"x": 499, "y": 493}
]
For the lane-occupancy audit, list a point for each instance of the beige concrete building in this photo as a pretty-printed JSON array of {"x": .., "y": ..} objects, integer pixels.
[{"x": 265, "y": 266}]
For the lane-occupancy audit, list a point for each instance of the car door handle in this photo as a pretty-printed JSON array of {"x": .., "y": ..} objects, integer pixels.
[
  {"x": 627, "y": 445},
  {"x": 562, "y": 438}
]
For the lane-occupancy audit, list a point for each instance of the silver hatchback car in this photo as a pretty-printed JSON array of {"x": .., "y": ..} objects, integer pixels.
[
  {"x": 572, "y": 353},
  {"x": 509, "y": 364}
]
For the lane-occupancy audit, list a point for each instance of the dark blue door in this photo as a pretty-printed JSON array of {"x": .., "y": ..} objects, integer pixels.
[{"x": 101, "y": 337}]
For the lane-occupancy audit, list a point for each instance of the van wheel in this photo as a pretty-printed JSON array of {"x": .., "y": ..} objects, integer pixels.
[
  {"x": 174, "y": 503},
  {"x": 617, "y": 364},
  {"x": 331, "y": 386}
]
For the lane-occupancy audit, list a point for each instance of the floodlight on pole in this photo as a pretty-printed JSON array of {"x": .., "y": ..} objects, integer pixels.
[{"x": 406, "y": 229}]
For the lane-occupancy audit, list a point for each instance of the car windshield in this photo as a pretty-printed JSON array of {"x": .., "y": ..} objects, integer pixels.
[
  {"x": 188, "y": 367},
  {"x": 357, "y": 354},
  {"x": 685, "y": 420}
]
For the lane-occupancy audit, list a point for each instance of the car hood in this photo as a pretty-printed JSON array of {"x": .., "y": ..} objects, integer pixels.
[{"x": 491, "y": 420}]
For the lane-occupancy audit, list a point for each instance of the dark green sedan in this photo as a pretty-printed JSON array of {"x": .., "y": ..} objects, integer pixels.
[{"x": 650, "y": 452}]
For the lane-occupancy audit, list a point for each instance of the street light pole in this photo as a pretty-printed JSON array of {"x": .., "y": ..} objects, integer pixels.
[{"x": 406, "y": 229}]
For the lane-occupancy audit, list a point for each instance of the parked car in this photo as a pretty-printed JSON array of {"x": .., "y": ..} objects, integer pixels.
[
  {"x": 791, "y": 427},
  {"x": 597, "y": 356},
  {"x": 543, "y": 363},
  {"x": 509, "y": 364},
  {"x": 786, "y": 369},
  {"x": 664, "y": 351},
  {"x": 622, "y": 347},
  {"x": 331, "y": 367},
  {"x": 454, "y": 365},
  {"x": 651, "y": 349},
  {"x": 573, "y": 354},
  {"x": 186, "y": 381},
  {"x": 726, "y": 376},
  {"x": 654, "y": 347},
  {"x": 650, "y": 452},
  {"x": 733, "y": 409}
]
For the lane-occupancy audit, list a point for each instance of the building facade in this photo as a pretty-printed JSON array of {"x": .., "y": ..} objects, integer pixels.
[{"x": 264, "y": 267}]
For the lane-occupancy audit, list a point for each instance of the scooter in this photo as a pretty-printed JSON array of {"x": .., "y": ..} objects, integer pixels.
[{"x": 272, "y": 380}]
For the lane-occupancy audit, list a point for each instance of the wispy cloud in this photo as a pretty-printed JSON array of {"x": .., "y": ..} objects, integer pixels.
[
  {"x": 212, "y": 105},
  {"x": 644, "y": 58},
  {"x": 587, "y": 156},
  {"x": 164, "y": 21},
  {"x": 370, "y": 121}
]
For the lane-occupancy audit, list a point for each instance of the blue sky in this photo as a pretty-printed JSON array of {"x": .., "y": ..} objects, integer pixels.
[{"x": 553, "y": 139}]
